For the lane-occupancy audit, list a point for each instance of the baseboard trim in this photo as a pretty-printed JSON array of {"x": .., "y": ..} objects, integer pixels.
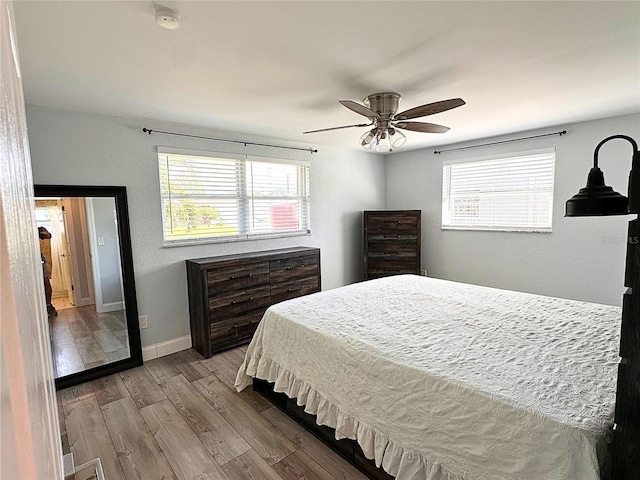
[
  {"x": 166, "y": 348},
  {"x": 110, "y": 307}
]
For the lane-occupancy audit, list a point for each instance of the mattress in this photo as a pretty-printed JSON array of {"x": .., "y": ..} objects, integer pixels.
[{"x": 444, "y": 380}]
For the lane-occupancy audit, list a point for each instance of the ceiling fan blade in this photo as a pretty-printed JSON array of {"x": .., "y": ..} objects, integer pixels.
[
  {"x": 430, "y": 109},
  {"x": 361, "y": 109},
  {"x": 421, "y": 127},
  {"x": 338, "y": 128}
]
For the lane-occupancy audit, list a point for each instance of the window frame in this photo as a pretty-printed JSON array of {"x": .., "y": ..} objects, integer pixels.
[
  {"x": 496, "y": 227},
  {"x": 242, "y": 195}
]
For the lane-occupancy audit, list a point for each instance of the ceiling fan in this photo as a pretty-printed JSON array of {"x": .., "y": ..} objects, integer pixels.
[{"x": 381, "y": 108}]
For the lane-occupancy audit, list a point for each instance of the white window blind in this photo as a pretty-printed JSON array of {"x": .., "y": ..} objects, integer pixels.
[
  {"x": 508, "y": 194},
  {"x": 232, "y": 197}
]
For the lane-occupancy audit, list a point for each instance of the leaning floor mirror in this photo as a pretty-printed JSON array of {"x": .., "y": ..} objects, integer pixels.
[{"x": 86, "y": 251}]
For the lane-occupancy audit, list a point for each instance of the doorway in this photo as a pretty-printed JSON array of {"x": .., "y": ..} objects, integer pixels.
[{"x": 49, "y": 214}]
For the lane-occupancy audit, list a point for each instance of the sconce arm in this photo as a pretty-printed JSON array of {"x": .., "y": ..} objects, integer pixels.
[
  {"x": 634, "y": 173},
  {"x": 625, "y": 137}
]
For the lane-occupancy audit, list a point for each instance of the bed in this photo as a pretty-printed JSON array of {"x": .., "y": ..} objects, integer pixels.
[{"x": 441, "y": 380}]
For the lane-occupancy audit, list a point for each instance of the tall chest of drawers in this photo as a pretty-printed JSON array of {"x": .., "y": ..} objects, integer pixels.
[
  {"x": 229, "y": 294},
  {"x": 391, "y": 242}
]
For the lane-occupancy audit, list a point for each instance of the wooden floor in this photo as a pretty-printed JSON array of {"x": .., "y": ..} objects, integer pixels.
[
  {"x": 180, "y": 417},
  {"x": 81, "y": 338}
]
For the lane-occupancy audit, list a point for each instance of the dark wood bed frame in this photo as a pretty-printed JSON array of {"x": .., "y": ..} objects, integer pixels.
[{"x": 348, "y": 449}]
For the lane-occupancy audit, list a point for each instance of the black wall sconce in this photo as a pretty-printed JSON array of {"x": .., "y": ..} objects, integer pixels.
[{"x": 598, "y": 199}]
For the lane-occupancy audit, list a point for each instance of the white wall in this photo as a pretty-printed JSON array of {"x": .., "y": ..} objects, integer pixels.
[
  {"x": 106, "y": 253},
  {"x": 86, "y": 149},
  {"x": 583, "y": 258}
]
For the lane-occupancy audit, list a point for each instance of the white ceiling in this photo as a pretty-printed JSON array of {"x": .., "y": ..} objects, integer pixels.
[{"x": 279, "y": 68}]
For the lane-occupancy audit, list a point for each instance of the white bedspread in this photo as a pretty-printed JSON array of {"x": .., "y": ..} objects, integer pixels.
[{"x": 444, "y": 380}]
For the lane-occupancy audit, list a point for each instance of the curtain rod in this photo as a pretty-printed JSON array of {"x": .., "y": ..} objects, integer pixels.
[
  {"x": 310, "y": 150},
  {"x": 437, "y": 152}
]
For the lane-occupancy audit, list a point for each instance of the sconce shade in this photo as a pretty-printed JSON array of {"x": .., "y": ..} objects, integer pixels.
[{"x": 596, "y": 199}]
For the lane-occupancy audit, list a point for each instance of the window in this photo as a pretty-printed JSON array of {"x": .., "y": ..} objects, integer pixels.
[
  {"x": 509, "y": 194},
  {"x": 222, "y": 197}
]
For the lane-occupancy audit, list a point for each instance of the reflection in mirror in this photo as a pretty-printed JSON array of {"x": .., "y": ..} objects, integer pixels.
[{"x": 86, "y": 250}]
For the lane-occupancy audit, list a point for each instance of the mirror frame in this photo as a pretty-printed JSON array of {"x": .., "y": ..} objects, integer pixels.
[{"x": 128, "y": 281}]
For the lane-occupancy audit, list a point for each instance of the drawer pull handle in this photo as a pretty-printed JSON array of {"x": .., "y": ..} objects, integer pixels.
[
  {"x": 291, "y": 268},
  {"x": 236, "y": 302},
  {"x": 294, "y": 289},
  {"x": 393, "y": 236},
  {"x": 245, "y": 324},
  {"x": 234, "y": 277}
]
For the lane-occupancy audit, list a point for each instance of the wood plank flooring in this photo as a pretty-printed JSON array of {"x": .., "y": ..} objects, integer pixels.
[
  {"x": 81, "y": 339},
  {"x": 179, "y": 417}
]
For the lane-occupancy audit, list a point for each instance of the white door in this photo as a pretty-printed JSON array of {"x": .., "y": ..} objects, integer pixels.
[
  {"x": 56, "y": 249},
  {"x": 29, "y": 431},
  {"x": 67, "y": 281},
  {"x": 79, "y": 251}
]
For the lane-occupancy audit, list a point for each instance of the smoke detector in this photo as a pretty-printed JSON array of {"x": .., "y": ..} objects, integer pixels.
[{"x": 167, "y": 18}]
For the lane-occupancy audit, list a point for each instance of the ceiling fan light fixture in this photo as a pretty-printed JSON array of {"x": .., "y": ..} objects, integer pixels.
[
  {"x": 381, "y": 108},
  {"x": 384, "y": 143},
  {"x": 397, "y": 138},
  {"x": 382, "y": 139},
  {"x": 367, "y": 139}
]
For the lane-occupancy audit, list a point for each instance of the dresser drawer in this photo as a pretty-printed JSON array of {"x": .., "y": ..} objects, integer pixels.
[
  {"x": 295, "y": 288},
  {"x": 236, "y": 328},
  {"x": 237, "y": 277},
  {"x": 379, "y": 238},
  {"x": 392, "y": 223},
  {"x": 392, "y": 251},
  {"x": 387, "y": 267},
  {"x": 236, "y": 302},
  {"x": 288, "y": 268}
]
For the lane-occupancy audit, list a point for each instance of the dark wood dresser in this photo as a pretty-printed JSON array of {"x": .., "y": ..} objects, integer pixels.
[
  {"x": 229, "y": 294},
  {"x": 391, "y": 243}
]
